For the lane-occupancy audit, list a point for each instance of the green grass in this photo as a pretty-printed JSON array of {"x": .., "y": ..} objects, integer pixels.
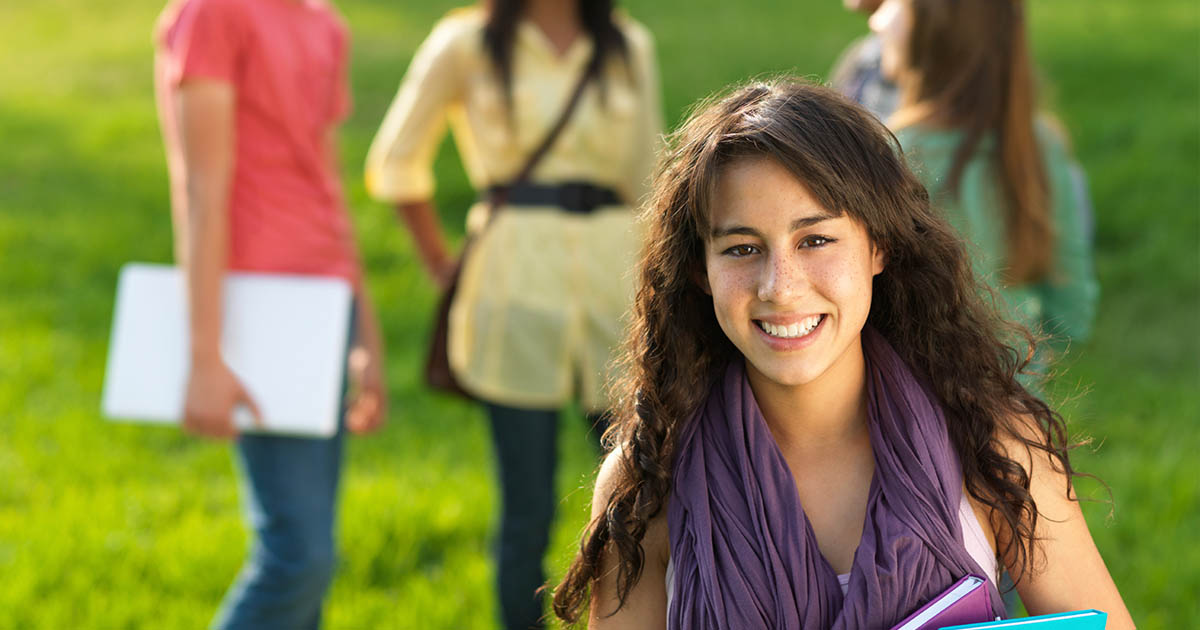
[{"x": 114, "y": 526}]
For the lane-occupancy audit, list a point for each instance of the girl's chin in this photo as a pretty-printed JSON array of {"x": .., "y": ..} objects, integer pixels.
[{"x": 785, "y": 376}]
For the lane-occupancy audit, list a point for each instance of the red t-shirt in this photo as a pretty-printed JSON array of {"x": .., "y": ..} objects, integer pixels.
[{"x": 287, "y": 63}]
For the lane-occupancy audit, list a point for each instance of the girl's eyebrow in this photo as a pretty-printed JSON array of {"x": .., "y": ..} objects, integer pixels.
[{"x": 798, "y": 224}]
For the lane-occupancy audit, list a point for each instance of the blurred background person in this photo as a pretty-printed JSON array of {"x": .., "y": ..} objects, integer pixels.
[
  {"x": 249, "y": 96},
  {"x": 1000, "y": 171},
  {"x": 542, "y": 295},
  {"x": 858, "y": 72}
]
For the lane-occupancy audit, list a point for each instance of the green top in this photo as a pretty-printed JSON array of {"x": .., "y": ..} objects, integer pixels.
[{"x": 1064, "y": 303}]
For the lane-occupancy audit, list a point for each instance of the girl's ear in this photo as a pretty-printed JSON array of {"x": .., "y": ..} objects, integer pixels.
[
  {"x": 700, "y": 277},
  {"x": 878, "y": 260}
]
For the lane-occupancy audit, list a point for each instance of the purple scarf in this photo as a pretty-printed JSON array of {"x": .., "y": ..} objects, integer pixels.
[{"x": 743, "y": 550}]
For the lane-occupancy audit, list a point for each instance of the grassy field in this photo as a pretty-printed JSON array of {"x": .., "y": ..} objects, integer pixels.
[{"x": 114, "y": 526}]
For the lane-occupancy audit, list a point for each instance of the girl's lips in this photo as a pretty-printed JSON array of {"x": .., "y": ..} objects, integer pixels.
[{"x": 785, "y": 344}]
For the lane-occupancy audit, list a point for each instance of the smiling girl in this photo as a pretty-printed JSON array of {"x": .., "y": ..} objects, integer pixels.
[{"x": 820, "y": 427}]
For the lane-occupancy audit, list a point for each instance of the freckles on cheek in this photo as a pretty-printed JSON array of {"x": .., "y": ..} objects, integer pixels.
[
  {"x": 846, "y": 278},
  {"x": 727, "y": 286}
]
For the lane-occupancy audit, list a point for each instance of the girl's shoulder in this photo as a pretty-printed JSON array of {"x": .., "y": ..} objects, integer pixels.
[
  {"x": 645, "y": 604},
  {"x": 636, "y": 34},
  {"x": 926, "y": 140},
  {"x": 461, "y": 24},
  {"x": 228, "y": 14},
  {"x": 921, "y": 138},
  {"x": 928, "y": 152},
  {"x": 1029, "y": 444},
  {"x": 1054, "y": 140},
  {"x": 472, "y": 15},
  {"x": 456, "y": 35},
  {"x": 656, "y": 542}
]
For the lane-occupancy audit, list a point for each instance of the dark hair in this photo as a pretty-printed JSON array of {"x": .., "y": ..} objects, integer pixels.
[
  {"x": 926, "y": 303},
  {"x": 967, "y": 63},
  {"x": 499, "y": 33}
]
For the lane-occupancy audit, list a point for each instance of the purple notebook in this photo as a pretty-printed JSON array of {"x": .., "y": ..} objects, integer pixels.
[{"x": 966, "y": 601}]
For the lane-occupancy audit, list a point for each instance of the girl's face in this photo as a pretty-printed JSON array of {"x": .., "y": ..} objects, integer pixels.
[
  {"x": 892, "y": 22},
  {"x": 790, "y": 281}
]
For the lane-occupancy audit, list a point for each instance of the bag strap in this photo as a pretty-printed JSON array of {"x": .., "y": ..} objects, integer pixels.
[{"x": 500, "y": 193}]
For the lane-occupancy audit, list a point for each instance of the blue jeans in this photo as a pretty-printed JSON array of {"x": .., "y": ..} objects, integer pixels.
[
  {"x": 526, "y": 454},
  {"x": 289, "y": 489}
]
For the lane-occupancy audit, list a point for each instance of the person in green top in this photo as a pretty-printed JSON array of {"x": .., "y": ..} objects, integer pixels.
[{"x": 1001, "y": 172}]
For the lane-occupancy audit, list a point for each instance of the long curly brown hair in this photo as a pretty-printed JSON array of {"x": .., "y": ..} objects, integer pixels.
[{"x": 926, "y": 302}]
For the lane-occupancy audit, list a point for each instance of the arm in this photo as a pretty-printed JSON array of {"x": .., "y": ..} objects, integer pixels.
[
  {"x": 368, "y": 406},
  {"x": 368, "y": 403},
  {"x": 1066, "y": 572},
  {"x": 399, "y": 166},
  {"x": 646, "y": 606},
  {"x": 205, "y": 111},
  {"x": 421, "y": 219}
]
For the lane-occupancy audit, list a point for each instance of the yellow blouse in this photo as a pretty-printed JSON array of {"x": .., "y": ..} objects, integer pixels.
[{"x": 543, "y": 297}]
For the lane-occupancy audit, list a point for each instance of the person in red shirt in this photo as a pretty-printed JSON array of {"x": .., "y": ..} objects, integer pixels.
[{"x": 250, "y": 93}]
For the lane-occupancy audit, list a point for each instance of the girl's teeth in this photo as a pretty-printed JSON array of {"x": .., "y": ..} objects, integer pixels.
[{"x": 790, "y": 331}]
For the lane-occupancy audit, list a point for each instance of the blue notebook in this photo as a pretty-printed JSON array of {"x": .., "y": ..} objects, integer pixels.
[{"x": 1078, "y": 620}]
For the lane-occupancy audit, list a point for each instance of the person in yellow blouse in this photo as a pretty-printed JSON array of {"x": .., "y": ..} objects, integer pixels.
[{"x": 543, "y": 295}]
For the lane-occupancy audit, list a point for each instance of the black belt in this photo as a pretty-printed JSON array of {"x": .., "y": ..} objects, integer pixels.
[{"x": 580, "y": 197}]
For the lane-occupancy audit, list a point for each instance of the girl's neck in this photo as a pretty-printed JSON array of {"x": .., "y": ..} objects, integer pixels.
[
  {"x": 827, "y": 411},
  {"x": 560, "y": 21},
  {"x": 552, "y": 11}
]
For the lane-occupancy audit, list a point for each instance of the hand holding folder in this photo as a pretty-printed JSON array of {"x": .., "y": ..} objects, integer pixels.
[{"x": 284, "y": 339}]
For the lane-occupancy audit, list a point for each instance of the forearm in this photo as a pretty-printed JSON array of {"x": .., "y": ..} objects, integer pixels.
[
  {"x": 421, "y": 219},
  {"x": 208, "y": 244},
  {"x": 367, "y": 323}
]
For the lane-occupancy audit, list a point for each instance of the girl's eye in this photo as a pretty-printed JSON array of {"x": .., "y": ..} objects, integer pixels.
[
  {"x": 815, "y": 241},
  {"x": 738, "y": 251}
]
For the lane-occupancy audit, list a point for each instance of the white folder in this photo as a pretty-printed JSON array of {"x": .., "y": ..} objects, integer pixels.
[{"x": 284, "y": 336}]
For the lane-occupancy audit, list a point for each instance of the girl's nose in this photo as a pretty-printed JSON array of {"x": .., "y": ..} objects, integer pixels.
[{"x": 782, "y": 279}]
